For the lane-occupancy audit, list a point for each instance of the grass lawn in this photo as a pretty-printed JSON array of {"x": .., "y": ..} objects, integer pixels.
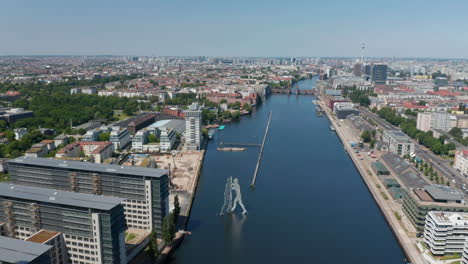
[
  {"x": 120, "y": 116},
  {"x": 129, "y": 236}
]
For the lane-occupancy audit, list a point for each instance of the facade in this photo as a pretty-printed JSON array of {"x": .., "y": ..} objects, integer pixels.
[
  {"x": 54, "y": 239},
  {"x": 175, "y": 111},
  {"x": 379, "y": 73},
  {"x": 11, "y": 115},
  {"x": 140, "y": 139},
  {"x": 145, "y": 190},
  {"x": 168, "y": 138},
  {"x": 343, "y": 111},
  {"x": 120, "y": 137},
  {"x": 19, "y": 251},
  {"x": 93, "y": 226},
  {"x": 358, "y": 69},
  {"x": 141, "y": 122},
  {"x": 92, "y": 135},
  {"x": 460, "y": 163},
  {"x": 398, "y": 142},
  {"x": 193, "y": 127},
  {"x": 435, "y": 120},
  {"x": 20, "y": 132},
  {"x": 423, "y": 122},
  {"x": 97, "y": 150},
  {"x": 446, "y": 232},
  {"x": 417, "y": 203}
]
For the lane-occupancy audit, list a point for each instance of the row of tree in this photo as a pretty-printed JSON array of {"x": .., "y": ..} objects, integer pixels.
[{"x": 408, "y": 126}]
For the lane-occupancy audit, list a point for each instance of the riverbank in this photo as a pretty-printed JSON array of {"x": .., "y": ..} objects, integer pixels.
[{"x": 380, "y": 195}]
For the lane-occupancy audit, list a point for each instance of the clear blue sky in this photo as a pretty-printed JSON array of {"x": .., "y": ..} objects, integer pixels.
[{"x": 416, "y": 28}]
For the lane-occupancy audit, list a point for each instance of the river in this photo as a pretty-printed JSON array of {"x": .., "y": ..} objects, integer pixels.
[{"x": 309, "y": 205}]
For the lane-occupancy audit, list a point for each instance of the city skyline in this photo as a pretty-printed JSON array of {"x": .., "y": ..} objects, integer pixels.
[{"x": 210, "y": 28}]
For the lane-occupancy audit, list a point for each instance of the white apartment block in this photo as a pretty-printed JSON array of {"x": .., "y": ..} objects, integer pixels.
[
  {"x": 193, "y": 127},
  {"x": 446, "y": 232},
  {"x": 398, "y": 142},
  {"x": 460, "y": 163},
  {"x": 436, "y": 120},
  {"x": 120, "y": 137},
  {"x": 168, "y": 138},
  {"x": 140, "y": 139}
]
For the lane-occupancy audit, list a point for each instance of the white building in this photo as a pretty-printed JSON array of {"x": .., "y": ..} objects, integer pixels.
[
  {"x": 92, "y": 135},
  {"x": 435, "y": 120},
  {"x": 120, "y": 137},
  {"x": 140, "y": 139},
  {"x": 168, "y": 138},
  {"x": 20, "y": 132},
  {"x": 423, "y": 122},
  {"x": 446, "y": 232},
  {"x": 460, "y": 163},
  {"x": 193, "y": 127},
  {"x": 398, "y": 142}
]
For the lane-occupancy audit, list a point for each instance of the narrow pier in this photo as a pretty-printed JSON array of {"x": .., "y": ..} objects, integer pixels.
[{"x": 260, "y": 154}]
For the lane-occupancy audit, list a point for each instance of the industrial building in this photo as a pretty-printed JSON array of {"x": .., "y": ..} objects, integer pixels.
[
  {"x": 145, "y": 190},
  {"x": 93, "y": 227},
  {"x": 141, "y": 122},
  {"x": 19, "y": 251}
]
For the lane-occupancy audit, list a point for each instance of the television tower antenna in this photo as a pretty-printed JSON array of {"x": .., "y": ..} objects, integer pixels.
[{"x": 363, "y": 47}]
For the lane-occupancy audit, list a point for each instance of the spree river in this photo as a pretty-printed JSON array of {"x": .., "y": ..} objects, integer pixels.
[{"x": 309, "y": 205}]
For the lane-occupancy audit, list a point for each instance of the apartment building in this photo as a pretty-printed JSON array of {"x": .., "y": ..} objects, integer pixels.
[
  {"x": 398, "y": 142},
  {"x": 168, "y": 138},
  {"x": 145, "y": 190},
  {"x": 446, "y": 232},
  {"x": 97, "y": 150},
  {"x": 460, "y": 163},
  {"x": 120, "y": 137},
  {"x": 140, "y": 139},
  {"x": 193, "y": 127},
  {"x": 93, "y": 227}
]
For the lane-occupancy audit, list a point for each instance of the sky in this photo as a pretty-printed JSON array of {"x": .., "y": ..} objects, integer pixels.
[{"x": 397, "y": 28}]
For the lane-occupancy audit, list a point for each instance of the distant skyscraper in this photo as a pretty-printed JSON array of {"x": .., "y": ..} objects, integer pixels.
[
  {"x": 367, "y": 70},
  {"x": 358, "y": 69},
  {"x": 379, "y": 73},
  {"x": 193, "y": 127}
]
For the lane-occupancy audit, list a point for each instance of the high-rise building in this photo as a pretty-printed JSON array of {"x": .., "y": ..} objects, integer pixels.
[
  {"x": 435, "y": 120},
  {"x": 145, "y": 190},
  {"x": 193, "y": 127},
  {"x": 379, "y": 73},
  {"x": 93, "y": 227},
  {"x": 358, "y": 69}
]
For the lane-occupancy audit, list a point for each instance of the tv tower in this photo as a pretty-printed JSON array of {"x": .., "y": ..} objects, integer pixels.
[{"x": 363, "y": 47}]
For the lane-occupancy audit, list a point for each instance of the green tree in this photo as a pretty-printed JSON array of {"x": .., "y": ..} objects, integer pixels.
[
  {"x": 168, "y": 228},
  {"x": 366, "y": 136},
  {"x": 176, "y": 207},
  {"x": 3, "y": 125},
  {"x": 223, "y": 101},
  {"x": 152, "y": 138},
  {"x": 153, "y": 250},
  {"x": 104, "y": 136}
]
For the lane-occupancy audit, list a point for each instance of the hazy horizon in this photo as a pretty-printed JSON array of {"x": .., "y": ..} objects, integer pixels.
[{"x": 404, "y": 29}]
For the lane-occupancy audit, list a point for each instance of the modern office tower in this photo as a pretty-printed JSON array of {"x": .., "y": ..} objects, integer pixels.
[
  {"x": 368, "y": 70},
  {"x": 19, "y": 251},
  {"x": 446, "y": 232},
  {"x": 379, "y": 73},
  {"x": 145, "y": 190},
  {"x": 358, "y": 69},
  {"x": 193, "y": 127},
  {"x": 93, "y": 227}
]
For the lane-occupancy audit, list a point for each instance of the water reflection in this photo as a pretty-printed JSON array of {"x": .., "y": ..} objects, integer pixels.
[{"x": 233, "y": 230}]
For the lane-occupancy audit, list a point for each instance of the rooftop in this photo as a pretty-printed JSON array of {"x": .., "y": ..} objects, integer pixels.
[
  {"x": 42, "y": 236},
  {"x": 442, "y": 192},
  {"x": 59, "y": 197},
  {"x": 398, "y": 135},
  {"x": 19, "y": 251},
  {"x": 88, "y": 166},
  {"x": 451, "y": 218}
]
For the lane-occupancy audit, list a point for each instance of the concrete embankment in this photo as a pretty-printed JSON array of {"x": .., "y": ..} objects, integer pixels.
[{"x": 407, "y": 244}]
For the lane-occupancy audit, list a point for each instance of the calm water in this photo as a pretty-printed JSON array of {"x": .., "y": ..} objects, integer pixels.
[{"x": 309, "y": 205}]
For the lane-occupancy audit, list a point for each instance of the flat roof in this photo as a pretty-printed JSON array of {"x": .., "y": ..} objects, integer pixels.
[
  {"x": 379, "y": 167},
  {"x": 442, "y": 192},
  {"x": 89, "y": 166},
  {"x": 423, "y": 195},
  {"x": 42, "y": 236},
  {"x": 83, "y": 200},
  {"x": 19, "y": 251}
]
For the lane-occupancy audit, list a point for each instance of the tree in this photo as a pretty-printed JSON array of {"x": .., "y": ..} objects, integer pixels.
[
  {"x": 152, "y": 138},
  {"x": 456, "y": 132},
  {"x": 168, "y": 228},
  {"x": 366, "y": 136},
  {"x": 104, "y": 137},
  {"x": 223, "y": 101},
  {"x": 153, "y": 250},
  {"x": 3, "y": 125},
  {"x": 176, "y": 208},
  {"x": 236, "y": 115}
]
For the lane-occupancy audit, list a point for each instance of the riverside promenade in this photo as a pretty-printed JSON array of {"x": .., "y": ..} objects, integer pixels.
[{"x": 407, "y": 243}]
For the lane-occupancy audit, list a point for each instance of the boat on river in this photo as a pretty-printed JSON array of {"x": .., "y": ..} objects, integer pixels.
[{"x": 211, "y": 133}]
